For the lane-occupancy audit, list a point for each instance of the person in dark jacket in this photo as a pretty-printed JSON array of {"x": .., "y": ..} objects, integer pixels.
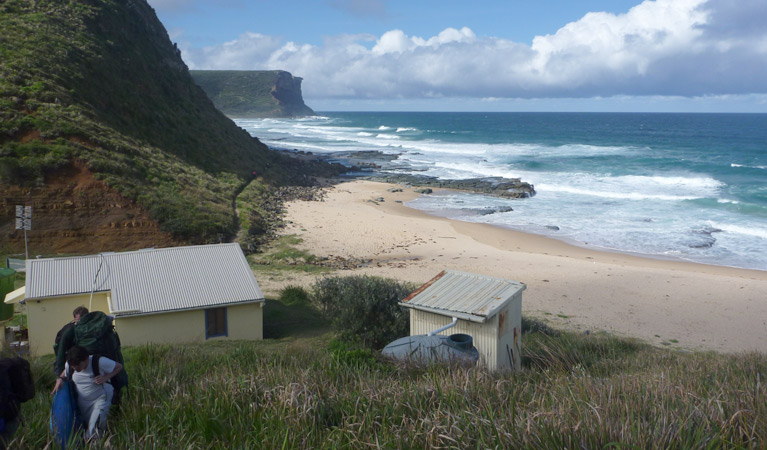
[
  {"x": 65, "y": 339},
  {"x": 9, "y": 416},
  {"x": 16, "y": 386}
]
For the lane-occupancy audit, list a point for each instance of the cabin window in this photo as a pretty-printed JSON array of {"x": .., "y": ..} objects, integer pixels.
[{"x": 215, "y": 322}]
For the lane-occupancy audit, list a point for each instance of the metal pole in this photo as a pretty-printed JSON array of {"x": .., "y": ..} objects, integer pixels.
[{"x": 26, "y": 245}]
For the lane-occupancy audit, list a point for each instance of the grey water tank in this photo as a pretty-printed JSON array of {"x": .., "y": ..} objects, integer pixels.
[{"x": 423, "y": 349}]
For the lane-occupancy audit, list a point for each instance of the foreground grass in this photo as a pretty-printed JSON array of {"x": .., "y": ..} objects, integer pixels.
[{"x": 576, "y": 391}]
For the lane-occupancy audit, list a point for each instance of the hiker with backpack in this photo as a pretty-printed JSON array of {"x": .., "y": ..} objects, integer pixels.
[
  {"x": 65, "y": 339},
  {"x": 94, "y": 331},
  {"x": 91, "y": 375}
]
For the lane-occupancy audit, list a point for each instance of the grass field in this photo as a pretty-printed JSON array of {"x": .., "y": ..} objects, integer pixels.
[{"x": 303, "y": 389}]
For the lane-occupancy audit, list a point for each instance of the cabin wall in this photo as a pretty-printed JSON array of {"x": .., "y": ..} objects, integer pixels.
[
  {"x": 46, "y": 316},
  {"x": 243, "y": 322},
  {"x": 246, "y": 321}
]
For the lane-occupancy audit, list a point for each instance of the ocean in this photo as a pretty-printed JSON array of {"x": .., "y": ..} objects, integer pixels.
[{"x": 689, "y": 187}]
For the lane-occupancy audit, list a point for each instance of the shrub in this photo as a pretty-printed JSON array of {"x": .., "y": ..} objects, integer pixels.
[
  {"x": 344, "y": 353},
  {"x": 294, "y": 295},
  {"x": 364, "y": 309}
]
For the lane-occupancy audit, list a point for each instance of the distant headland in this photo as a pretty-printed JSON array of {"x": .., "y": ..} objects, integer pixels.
[{"x": 253, "y": 93}]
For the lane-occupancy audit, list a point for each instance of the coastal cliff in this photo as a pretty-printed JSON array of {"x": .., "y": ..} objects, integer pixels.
[
  {"x": 105, "y": 134},
  {"x": 253, "y": 93}
]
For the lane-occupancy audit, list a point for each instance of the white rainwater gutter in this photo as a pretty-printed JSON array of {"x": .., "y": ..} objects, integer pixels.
[{"x": 441, "y": 329}]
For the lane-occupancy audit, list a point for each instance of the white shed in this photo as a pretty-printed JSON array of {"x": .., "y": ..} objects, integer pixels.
[{"x": 488, "y": 309}]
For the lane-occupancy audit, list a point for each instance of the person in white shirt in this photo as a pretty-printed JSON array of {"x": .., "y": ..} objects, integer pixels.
[{"x": 94, "y": 392}]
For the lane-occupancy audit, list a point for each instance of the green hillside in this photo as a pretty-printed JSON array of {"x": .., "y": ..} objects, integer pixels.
[
  {"x": 98, "y": 85},
  {"x": 254, "y": 93}
]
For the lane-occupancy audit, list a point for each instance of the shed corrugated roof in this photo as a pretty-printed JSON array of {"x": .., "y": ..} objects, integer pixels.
[
  {"x": 464, "y": 295},
  {"x": 152, "y": 280},
  {"x": 15, "y": 296}
]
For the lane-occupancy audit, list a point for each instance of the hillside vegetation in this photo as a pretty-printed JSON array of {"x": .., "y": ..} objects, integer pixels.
[
  {"x": 96, "y": 89},
  {"x": 253, "y": 93}
]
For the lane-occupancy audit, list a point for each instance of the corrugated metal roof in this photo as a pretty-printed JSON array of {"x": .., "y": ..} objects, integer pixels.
[
  {"x": 464, "y": 295},
  {"x": 152, "y": 280}
]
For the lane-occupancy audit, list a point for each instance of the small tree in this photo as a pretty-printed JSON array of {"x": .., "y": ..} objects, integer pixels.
[{"x": 364, "y": 309}]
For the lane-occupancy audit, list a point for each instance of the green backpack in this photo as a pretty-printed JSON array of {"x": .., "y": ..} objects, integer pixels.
[{"x": 95, "y": 332}]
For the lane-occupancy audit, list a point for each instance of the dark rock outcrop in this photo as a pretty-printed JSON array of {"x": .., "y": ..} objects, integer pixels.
[
  {"x": 495, "y": 186},
  {"x": 380, "y": 166}
]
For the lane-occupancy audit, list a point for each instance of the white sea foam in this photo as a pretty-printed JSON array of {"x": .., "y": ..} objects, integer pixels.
[
  {"x": 611, "y": 194},
  {"x": 471, "y": 168},
  {"x": 692, "y": 182},
  {"x": 632, "y": 187},
  {"x": 502, "y": 153},
  {"x": 748, "y": 167},
  {"x": 759, "y": 232}
]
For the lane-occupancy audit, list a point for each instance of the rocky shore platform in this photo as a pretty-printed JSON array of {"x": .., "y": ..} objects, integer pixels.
[
  {"x": 495, "y": 186},
  {"x": 383, "y": 167}
]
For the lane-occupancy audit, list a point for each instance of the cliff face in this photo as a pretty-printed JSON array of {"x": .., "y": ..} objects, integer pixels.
[
  {"x": 253, "y": 93},
  {"x": 94, "y": 89},
  {"x": 76, "y": 213}
]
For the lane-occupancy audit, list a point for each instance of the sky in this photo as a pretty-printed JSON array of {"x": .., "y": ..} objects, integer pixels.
[{"x": 489, "y": 55}]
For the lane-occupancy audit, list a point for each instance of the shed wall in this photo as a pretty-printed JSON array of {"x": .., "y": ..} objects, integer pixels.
[
  {"x": 483, "y": 334},
  {"x": 498, "y": 341},
  {"x": 46, "y": 317},
  {"x": 243, "y": 322},
  {"x": 509, "y": 340}
]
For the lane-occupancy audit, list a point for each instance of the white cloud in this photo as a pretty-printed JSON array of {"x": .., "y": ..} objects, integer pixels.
[
  {"x": 396, "y": 41},
  {"x": 605, "y": 52},
  {"x": 247, "y": 52},
  {"x": 686, "y": 48}
]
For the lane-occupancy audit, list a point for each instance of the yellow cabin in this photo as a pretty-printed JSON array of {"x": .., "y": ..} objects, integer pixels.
[{"x": 168, "y": 295}]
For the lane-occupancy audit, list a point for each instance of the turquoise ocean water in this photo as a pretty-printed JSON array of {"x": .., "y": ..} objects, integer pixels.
[{"x": 678, "y": 186}]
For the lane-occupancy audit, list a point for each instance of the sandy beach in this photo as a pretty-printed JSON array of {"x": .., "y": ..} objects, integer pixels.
[{"x": 668, "y": 303}]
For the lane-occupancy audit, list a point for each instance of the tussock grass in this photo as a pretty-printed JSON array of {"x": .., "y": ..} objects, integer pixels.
[
  {"x": 294, "y": 295},
  {"x": 576, "y": 391}
]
